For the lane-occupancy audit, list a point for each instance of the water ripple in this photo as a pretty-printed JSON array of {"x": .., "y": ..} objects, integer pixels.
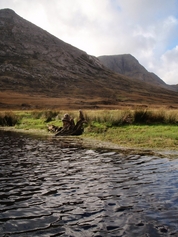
[{"x": 49, "y": 188}]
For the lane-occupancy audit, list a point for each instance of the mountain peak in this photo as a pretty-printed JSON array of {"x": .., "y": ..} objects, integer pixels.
[
  {"x": 128, "y": 65},
  {"x": 7, "y": 13},
  {"x": 32, "y": 61}
]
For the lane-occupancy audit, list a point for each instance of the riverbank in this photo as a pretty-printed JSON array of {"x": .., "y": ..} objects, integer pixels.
[
  {"x": 126, "y": 130},
  {"x": 87, "y": 142}
]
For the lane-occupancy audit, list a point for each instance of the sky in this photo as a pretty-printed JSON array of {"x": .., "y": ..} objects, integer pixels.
[{"x": 146, "y": 29}]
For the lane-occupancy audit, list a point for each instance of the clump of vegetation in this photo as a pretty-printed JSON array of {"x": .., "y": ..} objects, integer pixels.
[
  {"x": 149, "y": 117},
  {"x": 8, "y": 119},
  {"x": 155, "y": 117},
  {"x": 133, "y": 128},
  {"x": 99, "y": 120},
  {"x": 127, "y": 117},
  {"x": 110, "y": 117}
]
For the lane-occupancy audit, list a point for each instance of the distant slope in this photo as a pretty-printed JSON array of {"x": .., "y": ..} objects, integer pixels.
[
  {"x": 37, "y": 66},
  {"x": 129, "y": 66}
]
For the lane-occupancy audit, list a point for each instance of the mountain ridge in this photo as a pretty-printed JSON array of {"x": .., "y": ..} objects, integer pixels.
[
  {"x": 128, "y": 65},
  {"x": 35, "y": 63}
]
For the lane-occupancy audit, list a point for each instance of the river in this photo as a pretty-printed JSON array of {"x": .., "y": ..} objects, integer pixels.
[{"x": 49, "y": 187}]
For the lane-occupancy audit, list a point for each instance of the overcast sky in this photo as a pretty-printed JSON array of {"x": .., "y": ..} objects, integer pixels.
[{"x": 147, "y": 29}]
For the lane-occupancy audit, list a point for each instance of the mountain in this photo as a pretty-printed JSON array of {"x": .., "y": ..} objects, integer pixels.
[
  {"x": 129, "y": 66},
  {"x": 34, "y": 59},
  {"x": 39, "y": 70}
]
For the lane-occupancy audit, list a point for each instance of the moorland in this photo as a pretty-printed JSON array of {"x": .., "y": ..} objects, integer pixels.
[{"x": 42, "y": 77}]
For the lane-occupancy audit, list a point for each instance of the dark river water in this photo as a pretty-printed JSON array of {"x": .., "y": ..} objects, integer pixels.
[{"x": 49, "y": 187}]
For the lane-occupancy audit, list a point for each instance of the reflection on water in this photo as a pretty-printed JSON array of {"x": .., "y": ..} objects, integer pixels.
[{"x": 48, "y": 188}]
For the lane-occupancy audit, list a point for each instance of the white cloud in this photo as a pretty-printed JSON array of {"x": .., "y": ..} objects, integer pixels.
[
  {"x": 146, "y": 29},
  {"x": 168, "y": 66}
]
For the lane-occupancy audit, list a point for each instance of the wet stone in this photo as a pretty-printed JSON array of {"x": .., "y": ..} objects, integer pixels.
[{"x": 54, "y": 188}]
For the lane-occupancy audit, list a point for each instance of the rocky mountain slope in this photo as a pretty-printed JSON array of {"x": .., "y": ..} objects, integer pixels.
[
  {"x": 36, "y": 67},
  {"x": 129, "y": 66},
  {"x": 31, "y": 57}
]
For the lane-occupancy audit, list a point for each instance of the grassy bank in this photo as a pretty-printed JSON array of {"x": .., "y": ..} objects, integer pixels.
[
  {"x": 140, "y": 136},
  {"x": 139, "y": 128}
]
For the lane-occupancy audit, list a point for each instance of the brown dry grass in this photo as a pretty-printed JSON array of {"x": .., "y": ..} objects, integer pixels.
[{"x": 10, "y": 100}]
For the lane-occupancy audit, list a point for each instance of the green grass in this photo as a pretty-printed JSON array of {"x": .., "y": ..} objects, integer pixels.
[
  {"x": 139, "y": 128},
  {"x": 37, "y": 119},
  {"x": 141, "y": 136}
]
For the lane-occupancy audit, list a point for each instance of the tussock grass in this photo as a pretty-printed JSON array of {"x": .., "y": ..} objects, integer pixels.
[
  {"x": 135, "y": 128},
  {"x": 156, "y": 128},
  {"x": 98, "y": 118},
  {"x": 155, "y": 117},
  {"x": 114, "y": 118},
  {"x": 8, "y": 119},
  {"x": 142, "y": 136},
  {"x": 110, "y": 117},
  {"x": 34, "y": 118}
]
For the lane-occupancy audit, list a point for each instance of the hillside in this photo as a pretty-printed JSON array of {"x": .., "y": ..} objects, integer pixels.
[
  {"x": 128, "y": 65},
  {"x": 38, "y": 70}
]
